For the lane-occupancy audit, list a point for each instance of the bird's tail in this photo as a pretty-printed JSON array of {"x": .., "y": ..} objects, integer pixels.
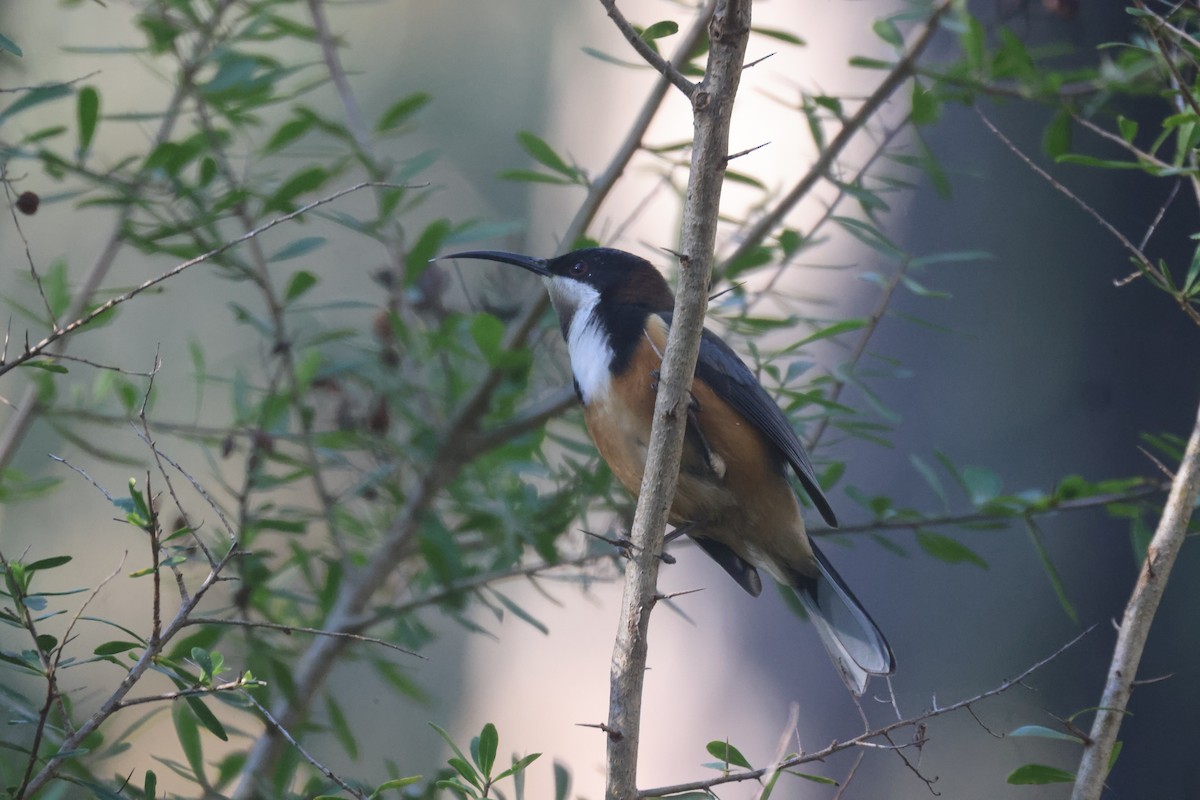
[{"x": 851, "y": 637}]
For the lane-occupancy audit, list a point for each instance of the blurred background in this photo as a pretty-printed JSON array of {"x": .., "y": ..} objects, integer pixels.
[{"x": 1037, "y": 368}]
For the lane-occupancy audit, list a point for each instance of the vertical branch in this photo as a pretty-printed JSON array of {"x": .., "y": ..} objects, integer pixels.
[
  {"x": 1135, "y": 626},
  {"x": 712, "y": 107}
]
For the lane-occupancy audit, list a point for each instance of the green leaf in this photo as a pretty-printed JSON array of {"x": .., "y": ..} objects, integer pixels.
[
  {"x": 926, "y": 108},
  {"x": 982, "y": 485},
  {"x": 870, "y": 236},
  {"x": 88, "y": 110},
  {"x": 544, "y": 154},
  {"x": 207, "y": 718},
  {"x": 1128, "y": 128},
  {"x": 1045, "y": 733},
  {"x": 886, "y": 29},
  {"x": 781, "y": 35},
  {"x": 47, "y": 563},
  {"x": 562, "y": 781},
  {"x": 532, "y": 176},
  {"x": 728, "y": 754},
  {"x": 188, "y": 735},
  {"x": 836, "y": 329},
  {"x": 949, "y": 550},
  {"x": 489, "y": 742},
  {"x": 300, "y": 247},
  {"x": 341, "y": 729},
  {"x": 416, "y": 261},
  {"x": 48, "y": 366},
  {"x": 660, "y": 30},
  {"x": 1039, "y": 774},
  {"x": 1056, "y": 140},
  {"x": 8, "y": 45},
  {"x": 394, "y": 783},
  {"x": 1056, "y": 581},
  {"x": 113, "y": 648},
  {"x": 289, "y": 132},
  {"x": 518, "y": 766},
  {"x": 446, "y": 738},
  {"x": 34, "y": 97},
  {"x": 304, "y": 181},
  {"x": 463, "y": 768},
  {"x": 150, "y": 785},
  {"x": 300, "y": 283},
  {"x": 401, "y": 110}
]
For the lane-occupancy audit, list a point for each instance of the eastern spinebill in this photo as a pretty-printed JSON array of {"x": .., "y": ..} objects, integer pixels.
[{"x": 733, "y": 497}]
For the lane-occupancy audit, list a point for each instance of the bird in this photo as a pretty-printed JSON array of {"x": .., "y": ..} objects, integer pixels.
[{"x": 733, "y": 497}]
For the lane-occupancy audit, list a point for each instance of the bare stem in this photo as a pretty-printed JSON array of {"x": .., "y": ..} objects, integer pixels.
[{"x": 1135, "y": 626}]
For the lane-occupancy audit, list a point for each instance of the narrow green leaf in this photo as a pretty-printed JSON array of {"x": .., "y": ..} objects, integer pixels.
[
  {"x": 931, "y": 478},
  {"x": 1056, "y": 581},
  {"x": 304, "y": 181},
  {"x": 1043, "y": 732},
  {"x": 341, "y": 728},
  {"x": 289, "y": 132},
  {"x": 47, "y": 366},
  {"x": 949, "y": 550},
  {"x": 660, "y": 30},
  {"x": 300, "y": 247},
  {"x": 926, "y": 108},
  {"x": 207, "y": 718},
  {"x": 886, "y": 29},
  {"x": 401, "y": 110},
  {"x": 1056, "y": 140},
  {"x": 780, "y": 35},
  {"x": 836, "y": 329},
  {"x": 8, "y": 45},
  {"x": 446, "y": 738},
  {"x": 870, "y": 236},
  {"x": 425, "y": 248},
  {"x": 88, "y": 111},
  {"x": 522, "y": 614},
  {"x": 463, "y": 768},
  {"x": 518, "y": 766},
  {"x": 112, "y": 648},
  {"x": 150, "y": 785},
  {"x": 47, "y": 563},
  {"x": 544, "y": 154},
  {"x": 35, "y": 97},
  {"x": 394, "y": 783},
  {"x": 1039, "y": 774},
  {"x": 562, "y": 781},
  {"x": 299, "y": 283},
  {"x": 531, "y": 176},
  {"x": 188, "y": 735}
]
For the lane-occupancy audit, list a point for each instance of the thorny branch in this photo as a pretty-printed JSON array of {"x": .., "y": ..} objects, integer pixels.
[{"x": 712, "y": 109}]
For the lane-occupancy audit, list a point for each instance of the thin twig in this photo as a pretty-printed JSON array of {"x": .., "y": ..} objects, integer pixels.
[
  {"x": 290, "y": 629},
  {"x": 33, "y": 350},
  {"x": 648, "y": 53},
  {"x": 863, "y": 739},
  {"x": 825, "y": 160},
  {"x": 282, "y": 731}
]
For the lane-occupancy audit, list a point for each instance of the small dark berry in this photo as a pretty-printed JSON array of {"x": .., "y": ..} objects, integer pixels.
[{"x": 27, "y": 203}]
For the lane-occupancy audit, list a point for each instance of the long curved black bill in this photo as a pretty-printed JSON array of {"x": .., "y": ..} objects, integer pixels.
[{"x": 538, "y": 266}]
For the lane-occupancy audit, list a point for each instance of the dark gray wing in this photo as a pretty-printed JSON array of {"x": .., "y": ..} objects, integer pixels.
[{"x": 733, "y": 382}]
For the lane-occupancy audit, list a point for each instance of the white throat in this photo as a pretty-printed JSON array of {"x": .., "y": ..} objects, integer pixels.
[{"x": 587, "y": 342}]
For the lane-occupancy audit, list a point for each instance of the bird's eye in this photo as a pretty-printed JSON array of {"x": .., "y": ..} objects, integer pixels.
[{"x": 578, "y": 269}]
